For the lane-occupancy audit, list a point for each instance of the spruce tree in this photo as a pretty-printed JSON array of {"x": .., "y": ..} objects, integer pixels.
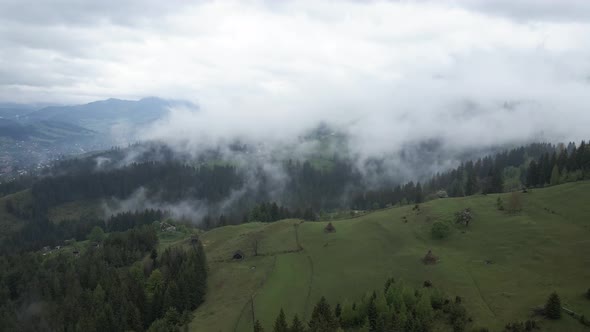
[
  {"x": 322, "y": 318},
  {"x": 419, "y": 198},
  {"x": 372, "y": 315},
  {"x": 471, "y": 184},
  {"x": 337, "y": 310},
  {"x": 555, "y": 177},
  {"x": 281, "y": 323},
  {"x": 296, "y": 325},
  {"x": 258, "y": 326},
  {"x": 553, "y": 306},
  {"x": 532, "y": 176}
]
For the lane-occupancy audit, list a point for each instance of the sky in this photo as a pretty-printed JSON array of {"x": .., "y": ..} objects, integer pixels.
[{"x": 388, "y": 71}]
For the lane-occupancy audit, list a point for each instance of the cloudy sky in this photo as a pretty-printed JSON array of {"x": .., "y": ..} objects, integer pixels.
[{"x": 520, "y": 68}]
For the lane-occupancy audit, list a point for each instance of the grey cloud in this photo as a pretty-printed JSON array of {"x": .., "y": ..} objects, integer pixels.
[
  {"x": 387, "y": 73},
  {"x": 72, "y": 12},
  {"x": 532, "y": 10}
]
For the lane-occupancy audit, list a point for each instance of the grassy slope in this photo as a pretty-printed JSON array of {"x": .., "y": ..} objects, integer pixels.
[{"x": 533, "y": 253}]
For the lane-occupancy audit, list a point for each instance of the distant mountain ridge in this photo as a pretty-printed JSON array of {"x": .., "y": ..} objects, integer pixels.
[
  {"x": 101, "y": 115},
  {"x": 46, "y": 130},
  {"x": 34, "y": 134}
]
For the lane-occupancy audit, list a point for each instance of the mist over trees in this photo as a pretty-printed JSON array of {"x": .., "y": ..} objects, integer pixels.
[{"x": 230, "y": 192}]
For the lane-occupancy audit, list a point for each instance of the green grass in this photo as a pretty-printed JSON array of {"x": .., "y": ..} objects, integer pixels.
[{"x": 542, "y": 249}]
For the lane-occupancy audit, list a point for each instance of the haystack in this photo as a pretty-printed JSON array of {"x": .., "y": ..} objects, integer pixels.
[
  {"x": 329, "y": 228},
  {"x": 430, "y": 258},
  {"x": 238, "y": 255}
]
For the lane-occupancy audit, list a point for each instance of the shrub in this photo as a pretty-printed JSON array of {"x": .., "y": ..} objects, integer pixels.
[
  {"x": 515, "y": 202},
  {"x": 464, "y": 217},
  {"x": 500, "y": 204},
  {"x": 440, "y": 230}
]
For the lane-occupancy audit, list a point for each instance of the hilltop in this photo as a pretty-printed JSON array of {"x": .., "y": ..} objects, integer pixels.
[{"x": 503, "y": 264}]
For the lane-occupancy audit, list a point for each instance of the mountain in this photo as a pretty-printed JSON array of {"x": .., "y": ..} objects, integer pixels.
[
  {"x": 101, "y": 115},
  {"x": 31, "y": 136},
  {"x": 46, "y": 130}
]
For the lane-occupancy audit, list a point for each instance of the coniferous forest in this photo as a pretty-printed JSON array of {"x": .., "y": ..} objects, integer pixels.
[{"x": 120, "y": 283}]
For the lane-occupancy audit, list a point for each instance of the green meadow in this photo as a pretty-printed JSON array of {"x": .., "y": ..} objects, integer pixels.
[{"x": 502, "y": 264}]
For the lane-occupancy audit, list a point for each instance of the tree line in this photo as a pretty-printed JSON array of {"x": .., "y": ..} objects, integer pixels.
[
  {"x": 397, "y": 307},
  {"x": 121, "y": 285},
  {"x": 40, "y": 232},
  {"x": 535, "y": 165}
]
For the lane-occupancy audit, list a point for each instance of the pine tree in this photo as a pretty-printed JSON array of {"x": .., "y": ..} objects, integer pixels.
[
  {"x": 258, "y": 326},
  {"x": 532, "y": 175},
  {"x": 296, "y": 325},
  {"x": 555, "y": 177},
  {"x": 372, "y": 315},
  {"x": 419, "y": 195},
  {"x": 424, "y": 312},
  {"x": 322, "y": 318},
  {"x": 281, "y": 323},
  {"x": 497, "y": 182},
  {"x": 553, "y": 306},
  {"x": 337, "y": 310},
  {"x": 348, "y": 315},
  {"x": 471, "y": 184}
]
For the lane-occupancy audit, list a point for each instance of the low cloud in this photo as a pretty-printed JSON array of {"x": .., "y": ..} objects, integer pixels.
[
  {"x": 191, "y": 210},
  {"x": 388, "y": 74}
]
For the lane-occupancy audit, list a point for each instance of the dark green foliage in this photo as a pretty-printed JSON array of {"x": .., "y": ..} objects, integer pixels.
[
  {"x": 269, "y": 212},
  {"x": 322, "y": 318},
  {"x": 500, "y": 204},
  {"x": 419, "y": 198},
  {"x": 372, "y": 315},
  {"x": 588, "y": 294},
  {"x": 172, "y": 181},
  {"x": 397, "y": 308},
  {"x": 281, "y": 323},
  {"x": 40, "y": 232},
  {"x": 296, "y": 325},
  {"x": 440, "y": 230},
  {"x": 528, "y": 325},
  {"x": 388, "y": 283},
  {"x": 337, "y": 310},
  {"x": 471, "y": 183},
  {"x": 8, "y": 206},
  {"x": 486, "y": 174},
  {"x": 553, "y": 307},
  {"x": 258, "y": 326},
  {"x": 497, "y": 181},
  {"x": 104, "y": 288},
  {"x": 96, "y": 235}
]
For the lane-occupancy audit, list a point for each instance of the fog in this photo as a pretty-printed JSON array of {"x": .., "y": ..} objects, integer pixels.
[
  {"x": 389, "y": 75},
  {"x": 192, "y": 211}
]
